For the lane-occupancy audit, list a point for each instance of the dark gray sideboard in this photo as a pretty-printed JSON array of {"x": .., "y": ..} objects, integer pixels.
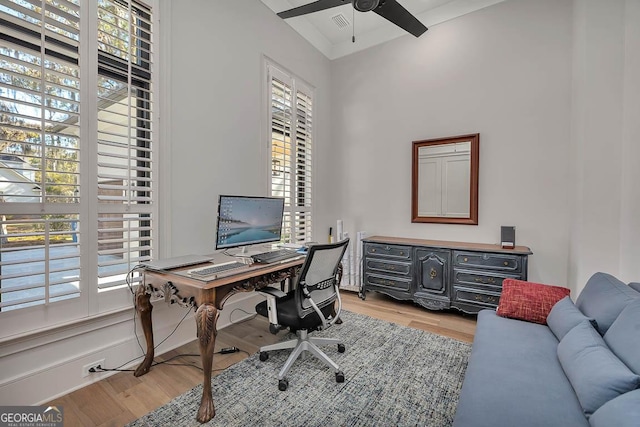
[{"x": 440, "y": 274}]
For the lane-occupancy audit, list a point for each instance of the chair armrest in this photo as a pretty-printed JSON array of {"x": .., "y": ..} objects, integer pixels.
[
  {"x": 271, "y": 291},
  {"x": 272, "y": 295},
  {"x": 326, "y": 322}
]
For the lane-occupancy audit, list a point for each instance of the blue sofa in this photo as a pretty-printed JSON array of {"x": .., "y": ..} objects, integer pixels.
[{"x": 580, "y": 369}]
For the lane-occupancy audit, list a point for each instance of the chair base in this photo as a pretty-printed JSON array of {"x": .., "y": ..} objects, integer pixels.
[{"x": 305, "y": 343}]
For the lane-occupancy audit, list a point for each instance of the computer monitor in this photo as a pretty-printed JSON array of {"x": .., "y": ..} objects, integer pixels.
[{"x": 248, "y": 220}]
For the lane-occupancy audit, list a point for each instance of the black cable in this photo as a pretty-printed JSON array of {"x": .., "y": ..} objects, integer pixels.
[
  {"x": 253, "y": 316},
  {"x": 166, "y": 362},
  {"x": 135, "y": 333},
  {"x": 174, "y": 329},
  {"x": 136, "y": 267}
]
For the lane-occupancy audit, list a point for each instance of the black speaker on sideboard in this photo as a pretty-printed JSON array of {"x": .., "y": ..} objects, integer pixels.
[{"x": 508, "y": 237}]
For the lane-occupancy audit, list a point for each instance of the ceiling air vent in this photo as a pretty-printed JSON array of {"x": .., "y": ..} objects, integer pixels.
[{"x": 340, "y": 20}]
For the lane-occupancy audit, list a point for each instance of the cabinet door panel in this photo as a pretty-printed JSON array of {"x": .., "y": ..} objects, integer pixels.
[{"x": 433, "y": 266}]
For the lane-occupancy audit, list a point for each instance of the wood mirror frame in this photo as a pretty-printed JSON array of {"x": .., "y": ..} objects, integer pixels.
[{"x": 472, "y": 217}]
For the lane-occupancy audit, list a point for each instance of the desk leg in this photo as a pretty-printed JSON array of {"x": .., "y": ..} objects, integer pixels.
[
  {"x": 206, "y": 319},
  {"x": 144, "y": 308}
]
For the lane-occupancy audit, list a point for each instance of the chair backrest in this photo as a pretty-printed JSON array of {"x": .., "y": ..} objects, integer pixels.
[{"x": 318, "y": 277}]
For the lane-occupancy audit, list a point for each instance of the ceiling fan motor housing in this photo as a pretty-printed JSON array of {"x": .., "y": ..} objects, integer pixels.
[{"x": 365, "y": 5}]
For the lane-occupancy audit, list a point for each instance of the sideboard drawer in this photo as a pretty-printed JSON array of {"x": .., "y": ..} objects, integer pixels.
[
  {"x": 395, "y": 251},
  {"x": 475, "y": 296},
  {"x": 493, "y": 261},
  {"x": 388, "y": 282},
  {"x": 474, "y": 279},
  {"x": 385, "y": 266}
]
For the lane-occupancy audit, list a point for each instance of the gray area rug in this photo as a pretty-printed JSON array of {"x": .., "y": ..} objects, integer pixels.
[{"x": 394, "y": 376}]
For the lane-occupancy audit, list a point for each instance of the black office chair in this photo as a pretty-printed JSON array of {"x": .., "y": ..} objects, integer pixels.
[{"x": 310, "y": 306}]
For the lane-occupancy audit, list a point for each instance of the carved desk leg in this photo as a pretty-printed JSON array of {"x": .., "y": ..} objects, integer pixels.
[
  {"x": 144, "y": 308},
  {"x": 206, "y": 320}
]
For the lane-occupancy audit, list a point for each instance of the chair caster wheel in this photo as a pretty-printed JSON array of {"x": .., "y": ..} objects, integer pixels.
[
  {"x": 339, "y": 377},
  {"x": 283, "y": 384},
  {"x": 274, "y": 329},
  {"x": 340, "y": 348},
  {"x": 264, "y": 356}
]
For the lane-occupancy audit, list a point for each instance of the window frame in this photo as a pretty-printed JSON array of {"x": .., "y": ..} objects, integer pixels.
[{"x": 291, "y": 229}]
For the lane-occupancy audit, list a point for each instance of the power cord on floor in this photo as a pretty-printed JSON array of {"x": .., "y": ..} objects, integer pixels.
[{"x": 226, "y": 350}]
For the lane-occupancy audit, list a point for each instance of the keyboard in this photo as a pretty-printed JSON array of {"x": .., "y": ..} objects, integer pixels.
[
  {"x": 217, "y": 268},
  {"x": 275, "y": 256}
]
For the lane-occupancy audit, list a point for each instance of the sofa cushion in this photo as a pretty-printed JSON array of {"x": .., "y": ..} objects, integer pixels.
[
  {"x": 514, "y": 378},
  {"x": 603, "y": 298},
  {"x": 595, "y": 373},
  {"x": 564, "y": 316},
  {"x": 528, "y": 300},
  {"x": 623, "y": 411},
  {"x": 623, "y": 337},
  {"x": 635, "y": 285}
]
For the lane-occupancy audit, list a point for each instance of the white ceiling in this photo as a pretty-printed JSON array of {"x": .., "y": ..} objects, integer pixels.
[{"x": 334, "y": 41}]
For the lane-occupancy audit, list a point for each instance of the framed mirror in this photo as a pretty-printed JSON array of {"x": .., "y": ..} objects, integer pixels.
[{"x": 445, "y": 180}]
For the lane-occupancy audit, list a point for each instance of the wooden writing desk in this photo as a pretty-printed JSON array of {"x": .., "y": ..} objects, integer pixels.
[{"x": 207, "y": 297}]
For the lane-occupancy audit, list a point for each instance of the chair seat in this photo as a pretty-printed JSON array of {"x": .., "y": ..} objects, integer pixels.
[{"x": 288, "y": 313}]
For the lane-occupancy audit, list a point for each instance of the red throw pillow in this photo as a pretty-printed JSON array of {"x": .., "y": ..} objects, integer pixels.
[{"x": 529, "y": 301}]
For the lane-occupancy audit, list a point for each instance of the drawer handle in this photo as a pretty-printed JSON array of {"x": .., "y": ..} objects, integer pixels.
[
  {"x": 402, "y": 253},
  {"x": 373, "y": 250},
  {"x": 506, "y": 263},
  {"x": 485, "y": 298},
  {"x": 466, "y": 259},
  {"x": 433, "y": 273}
]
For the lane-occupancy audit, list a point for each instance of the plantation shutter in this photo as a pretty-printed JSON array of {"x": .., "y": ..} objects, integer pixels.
[
  {"x": 77, "y": 177},
  {"x": 291, "y": 146},
  {"x": 303, "y": 164},
  {"x": 124, "y": 153},
  {"x": 39, "y": 152}
]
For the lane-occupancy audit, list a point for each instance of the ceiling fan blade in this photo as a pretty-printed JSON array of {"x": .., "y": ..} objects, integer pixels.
[
  {"x": 316, "y": 6},
  {"x": 393, "y": 11}
]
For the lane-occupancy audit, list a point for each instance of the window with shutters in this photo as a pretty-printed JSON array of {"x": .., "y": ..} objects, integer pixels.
[
  {"x": 76, "y": 153},
  {"x": 290, "y": 147}
]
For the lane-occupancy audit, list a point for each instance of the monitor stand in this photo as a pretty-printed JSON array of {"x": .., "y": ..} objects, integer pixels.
[{"x": 248, "y": 251}]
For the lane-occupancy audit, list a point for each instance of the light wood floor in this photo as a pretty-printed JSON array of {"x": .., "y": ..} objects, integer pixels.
[{"x": 122, "y": 398}]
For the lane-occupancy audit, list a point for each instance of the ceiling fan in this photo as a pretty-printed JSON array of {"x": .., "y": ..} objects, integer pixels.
[{"x": 390, "y": 10}]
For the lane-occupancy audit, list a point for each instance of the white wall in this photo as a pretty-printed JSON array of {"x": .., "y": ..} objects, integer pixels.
[
  {"x": 630, "y": 207},
  {"x": 504, "y": 72},
  {"x": 606, "y": 202},
  {"x": 217, "y": 110}
]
